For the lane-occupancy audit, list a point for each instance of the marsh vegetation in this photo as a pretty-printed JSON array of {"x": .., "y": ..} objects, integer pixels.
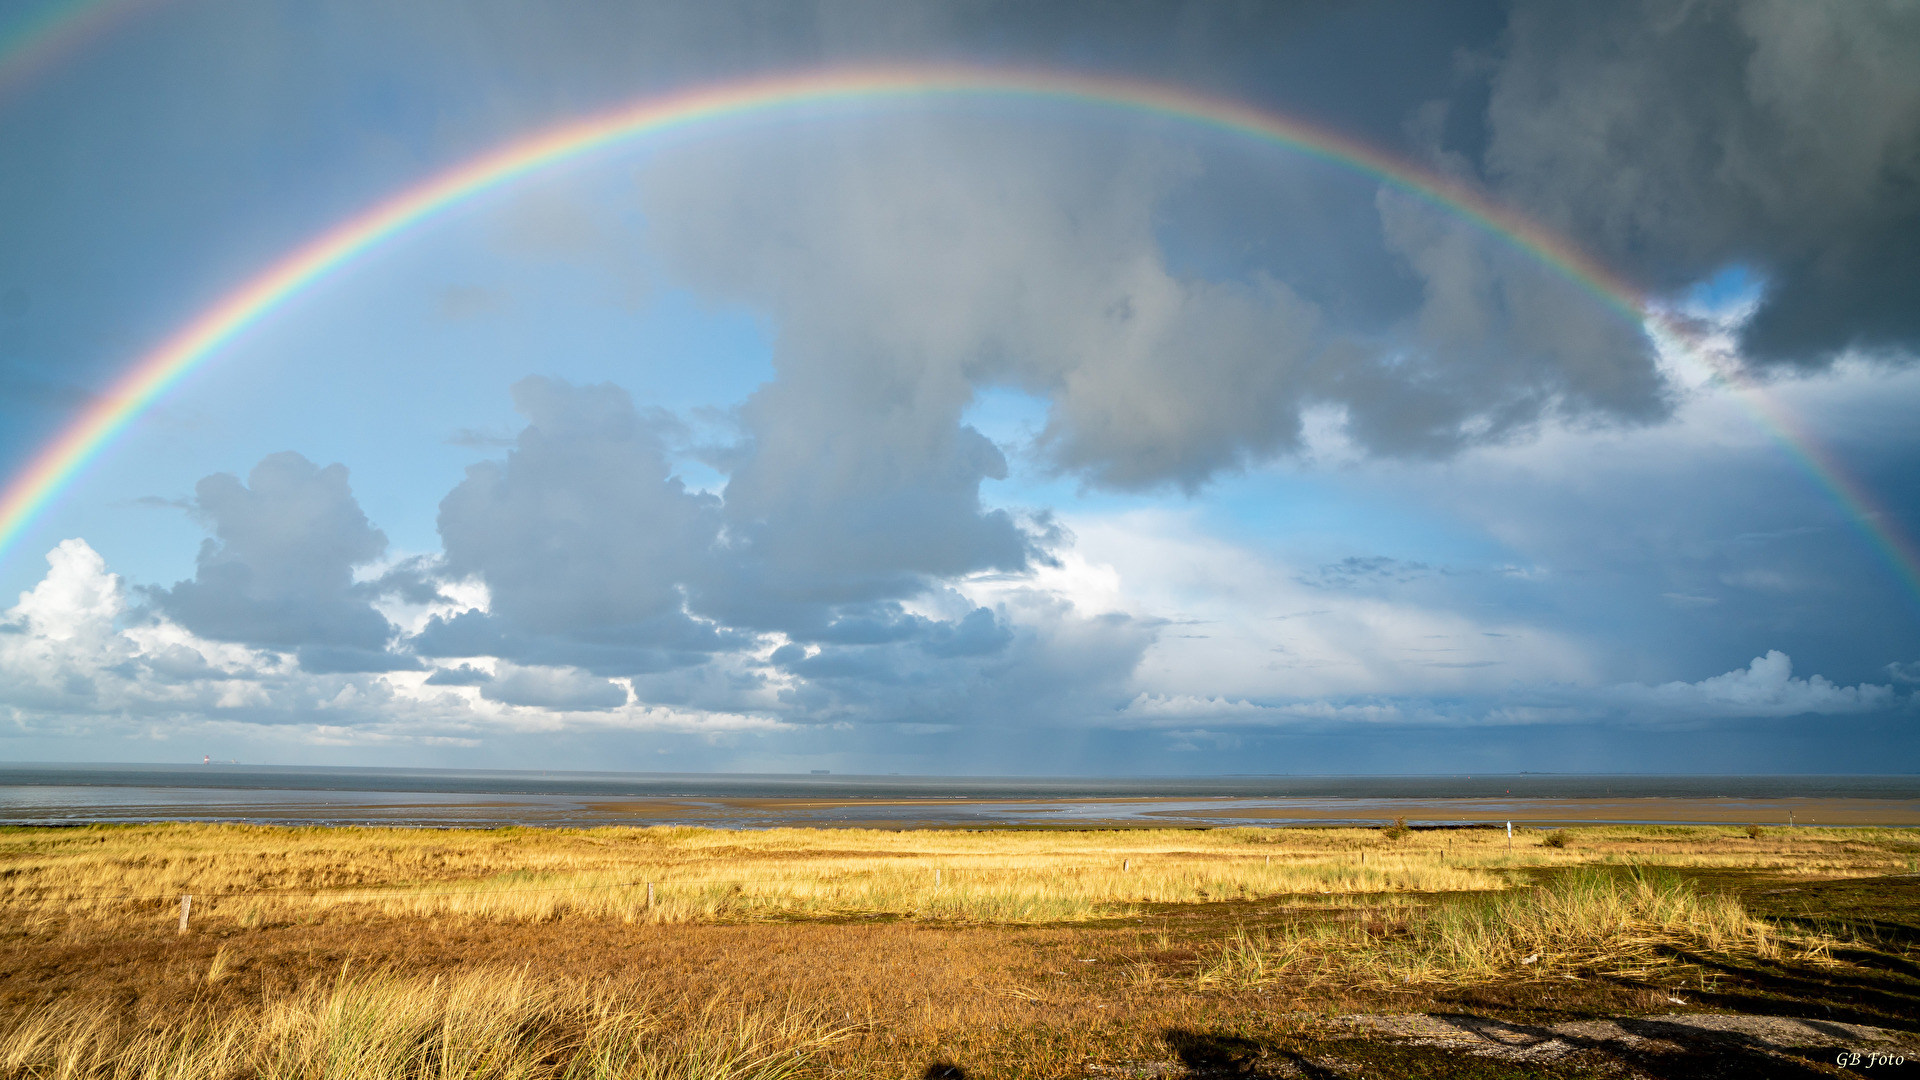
[{"x": 526, "y": 953}]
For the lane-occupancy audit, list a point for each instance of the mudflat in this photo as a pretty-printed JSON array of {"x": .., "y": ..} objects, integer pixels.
[{"x": 547, "y": 810}]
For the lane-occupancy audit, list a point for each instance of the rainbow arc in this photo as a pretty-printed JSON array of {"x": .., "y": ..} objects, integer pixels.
[
  {"x": 35, "y": 44},
  {"x": 57, "y": 463}
]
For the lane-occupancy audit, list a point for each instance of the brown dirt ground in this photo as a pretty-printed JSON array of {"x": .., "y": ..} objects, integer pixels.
[{"x": 1107, "y": 999}]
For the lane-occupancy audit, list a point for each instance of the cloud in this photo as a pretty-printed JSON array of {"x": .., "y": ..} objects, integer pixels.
[
  {"x": 463, "y": 675},
  {"x": 1357, "y": 570},
  {"x": 1764, "y": 688},
  {"x": 582, "y": 536},
  {"x": 1155, "y": 710},
  {"x": 1675, "y": 141},
  {"x": 71, "y": 660},
  {"x": 911, "y": 266},
  {"x": 1239, "y": 623},
  {"x": 1500, "y": 343},
  {"x": 1033, "y": 659},
  {"x": 552, "y": 688},
  {"x": 582, "y": 585},
  {"x": 279, "y": 571},
  {"x": 595, "y": 555},
  {"x": 849, "y": 570},
  {"x": 76, "y": 661},
  {"x": 60, "y": 636}
]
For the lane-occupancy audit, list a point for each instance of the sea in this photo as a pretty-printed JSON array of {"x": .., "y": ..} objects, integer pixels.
[{"x": 55, "y": 794}]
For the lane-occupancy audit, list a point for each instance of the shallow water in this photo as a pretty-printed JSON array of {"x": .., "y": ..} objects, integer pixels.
[{"x": 57, "y": 794}]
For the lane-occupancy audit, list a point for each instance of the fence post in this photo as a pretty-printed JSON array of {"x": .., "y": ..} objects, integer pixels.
[
  {"x": 1509, "y": 837},
  {"x": 936, "y": 877},
  {"x": 649, "y": 895},
  {"x": 1126, "y": 866},
  {"x": 186, "y": 905}
]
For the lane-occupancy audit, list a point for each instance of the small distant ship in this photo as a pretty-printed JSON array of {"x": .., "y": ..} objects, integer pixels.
[{"x": 207, "y": 759}]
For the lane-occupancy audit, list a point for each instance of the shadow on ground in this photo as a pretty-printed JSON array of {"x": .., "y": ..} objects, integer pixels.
[{"x": 1207, "y": 1056}]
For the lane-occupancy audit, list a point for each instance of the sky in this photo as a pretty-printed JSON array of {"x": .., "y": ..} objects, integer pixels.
[{"x": 981, "y": 434}]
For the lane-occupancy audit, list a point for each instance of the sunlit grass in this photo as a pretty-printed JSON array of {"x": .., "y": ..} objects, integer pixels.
[
  {"x": 1578, "y": 923},
  {"x": 614, "y": 986},
  {"x": 487, "y": 1025},
  {"x": 253, "y": 876}
]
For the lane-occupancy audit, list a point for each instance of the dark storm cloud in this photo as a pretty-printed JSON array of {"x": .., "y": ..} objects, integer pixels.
[
  {"x": 978, "y": 634},
  {"x": 909, "y": 264},
  {"x": 1204, "y": 371},
  {"x": 278, "y": 572},
  {"x": 1671, "y": 139},
  {"x": 660, "y": 643},
  {"x": 857, "y": 483},
  {"x": 583, "y": 527},
  {"x": 596, "y": 557},
  {"x": 1676, "y": 139},
  {"x": 1181, "y": 302},
  {"x": 1498, "y": 343}
]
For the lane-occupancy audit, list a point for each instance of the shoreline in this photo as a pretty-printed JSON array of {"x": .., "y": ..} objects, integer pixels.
[{"x": 435, "y": 810}]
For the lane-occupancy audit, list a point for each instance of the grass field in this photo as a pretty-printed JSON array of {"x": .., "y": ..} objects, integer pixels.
[
  {"x": 526, "y": 953},
  {"x": 257, "y": 874}
]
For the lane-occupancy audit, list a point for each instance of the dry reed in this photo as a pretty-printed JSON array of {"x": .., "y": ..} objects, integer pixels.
[
  {"x": 251, "y": 876},
  {"x": 254, "y": 876},
  {"x": 1576, "y": 923},
  {"x": 485, "y": 1025}
]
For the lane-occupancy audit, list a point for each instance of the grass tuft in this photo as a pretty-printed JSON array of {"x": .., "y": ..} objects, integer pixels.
[
  {"x": 1579, "y": 922},
  {"x": 486, "y": 1025}
]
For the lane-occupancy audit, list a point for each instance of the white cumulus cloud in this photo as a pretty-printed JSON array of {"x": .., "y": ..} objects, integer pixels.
[{"x": 1764, "y": 688}]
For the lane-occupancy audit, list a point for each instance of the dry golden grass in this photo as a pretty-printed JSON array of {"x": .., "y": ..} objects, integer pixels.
[
  {"x": 483, "y": 1025},
  {"x": 1584, "y": 922},
  {"x": 255, "y": 874},
  {"x": 251, "y": 875},
  {"x": 517, "y": 949}
]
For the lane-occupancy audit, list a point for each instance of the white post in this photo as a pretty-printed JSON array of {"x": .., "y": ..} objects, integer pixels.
[
  {"x": 1126, "y": 865},
  {"x": 649, "y": 894},
  {"x": 186, "y": 905},
  {"x": 936, "y": 877},
  {"x": 1509, "y": 837}
]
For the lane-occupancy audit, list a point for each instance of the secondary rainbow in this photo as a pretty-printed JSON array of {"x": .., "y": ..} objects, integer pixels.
[
  {"x": 58, "y": 462},
  {"x": 33, "y": 45}
]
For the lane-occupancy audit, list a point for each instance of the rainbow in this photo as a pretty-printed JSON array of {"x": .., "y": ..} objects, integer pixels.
[
  {"x": 33, "y": 45},
  {"x": 61, "y": 460}
]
